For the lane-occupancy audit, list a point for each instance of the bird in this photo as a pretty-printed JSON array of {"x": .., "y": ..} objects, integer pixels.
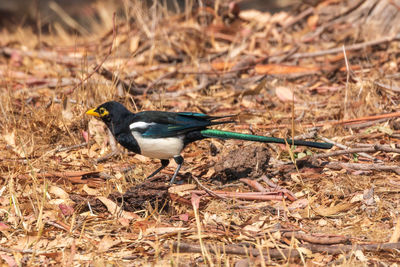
[{"x": 163, "y": 135}]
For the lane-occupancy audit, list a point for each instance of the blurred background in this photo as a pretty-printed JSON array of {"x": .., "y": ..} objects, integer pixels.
[{"x": 80, "y": 15}]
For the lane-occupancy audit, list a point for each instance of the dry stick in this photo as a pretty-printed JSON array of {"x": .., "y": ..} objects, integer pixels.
[
  {"x": 389, "y": 87},
  {"x": 341, "y": 17},
  {"x": 373, "y": 148},
  {"x": 43, "y": 55},
  {"x": 299, "y": 17},
  {"x": 253, "y": 184},
  {"x": 210, "y": 192},
  {"x": 246, "y": 196},
  {"x": 109, "y": 155},
  {"x": 347, "y": 81},
  {"x": 346, "y": 147},
  {"x": 359, "y": 145},
  {"x": 288, "y": 194},
  {"x": 350, "y": 9},
  {"x": 275, "y": 253},
  {"x": 341, "y": 122},
  {"x": 367, "y": 118},
  {"x": 99, "y": 65},
  {"x": 338, "y": 249},
  {"x": 317, "y": 239},
  {"x": 361, "y": 166},
  {"x": 364, "y": 124},
  {"x": 61, "y": 149},
  {"x": 348, "y": 48}
]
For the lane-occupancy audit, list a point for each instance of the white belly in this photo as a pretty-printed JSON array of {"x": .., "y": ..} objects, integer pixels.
[{"x": 160, "y": 148}]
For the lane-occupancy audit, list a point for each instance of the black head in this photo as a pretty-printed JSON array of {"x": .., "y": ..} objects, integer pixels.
[{"x": 114, "y": 114}]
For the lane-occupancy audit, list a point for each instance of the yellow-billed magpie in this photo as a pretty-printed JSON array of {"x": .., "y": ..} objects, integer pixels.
[{"x": 163, "y": 135}]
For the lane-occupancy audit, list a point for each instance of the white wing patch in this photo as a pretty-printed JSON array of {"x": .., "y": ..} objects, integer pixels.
[
  {"x": 140, "y": 125},
  {"x": 160, "y": 148}
]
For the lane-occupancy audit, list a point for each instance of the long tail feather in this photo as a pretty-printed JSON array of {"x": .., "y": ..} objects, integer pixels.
[{"x": 258, "y": 138}]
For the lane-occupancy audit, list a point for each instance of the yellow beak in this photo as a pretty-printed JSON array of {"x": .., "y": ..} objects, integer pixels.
[{"x": 93, "y": 113}]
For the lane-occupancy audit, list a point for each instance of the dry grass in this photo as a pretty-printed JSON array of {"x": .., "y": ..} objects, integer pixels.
[{"x": 43, "y": 126}]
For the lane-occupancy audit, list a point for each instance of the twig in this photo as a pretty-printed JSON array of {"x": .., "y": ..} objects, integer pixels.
[
  {"x": 312, "y": 133},
  {"x": 254, "y": 184},
  {"x": 210, "y": 192},
  {"x": 347, "y": 81},
  {"x": 341, "y": 122},
  {"x": 228, "y": 249},
  {"x": 276, "y": 187},
  {"x": 346, "y": 147},
  {"x": 70, "y": 91},
  {"x": 389, "y": 87},
  {"x": 67, "y": 148},
  {"x": 361, "y": 166},
  {"x": 264, "y": 196},
  {"x": 364, "y": 124},
  {"x": 337, "y": 249},
  {"x": 395, "y": 136},
  {"x": 318, "y": 239},
  {"x": 58, "y": 226},
  {"x": 44, "y": 55},
  {"x": 299, "y": 17},
  {"x": 109, "y": 155},
  {"x": 348, "y": 48},
  {"x": 280, "y": 253},
  {"x": 373, "y": 148}
]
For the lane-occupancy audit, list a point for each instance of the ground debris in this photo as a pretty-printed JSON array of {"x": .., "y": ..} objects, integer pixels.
[
  {"x": 326, "y": 71},
  {"x": 140, "y": 196},
  {"x": 250, "y": 161}
]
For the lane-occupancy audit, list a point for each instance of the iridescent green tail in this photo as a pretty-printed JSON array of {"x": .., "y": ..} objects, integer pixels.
[{"x": 258, "y": 138}]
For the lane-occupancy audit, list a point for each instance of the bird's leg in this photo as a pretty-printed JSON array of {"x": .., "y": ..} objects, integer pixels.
[
  {"x": 179, "y": 161},
  {"x": 164, "y": 163}
]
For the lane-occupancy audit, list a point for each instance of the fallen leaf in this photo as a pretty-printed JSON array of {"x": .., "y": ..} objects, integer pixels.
[
  {"x": 329, "y": 211},
  {"x": 360, "y": 256},
  {"x": 9, "y": 259},
  {"x": 90, "y": 191},
  {"x": 113, "y": 208},
  {"x": 123, "y": 221},
  {"x": 59, "y": 192},
  {"x": 4, "y": 226},
  {"x": 396, "y": 233},
  {"x": 184, "y": 217},
  {"x": 66, "y": 209},
  {"x": 312, "y": 21},
  {"x": 195, "y": 201},
  {"x": 299, "y": 204},
  {"x": 106, "y": 243},
  {"x": 10, "y": 140},
  {"x": 285, "y": 94}
]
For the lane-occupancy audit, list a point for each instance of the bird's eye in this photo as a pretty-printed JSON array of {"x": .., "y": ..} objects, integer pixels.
[{"x": 103, "y": 112}]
